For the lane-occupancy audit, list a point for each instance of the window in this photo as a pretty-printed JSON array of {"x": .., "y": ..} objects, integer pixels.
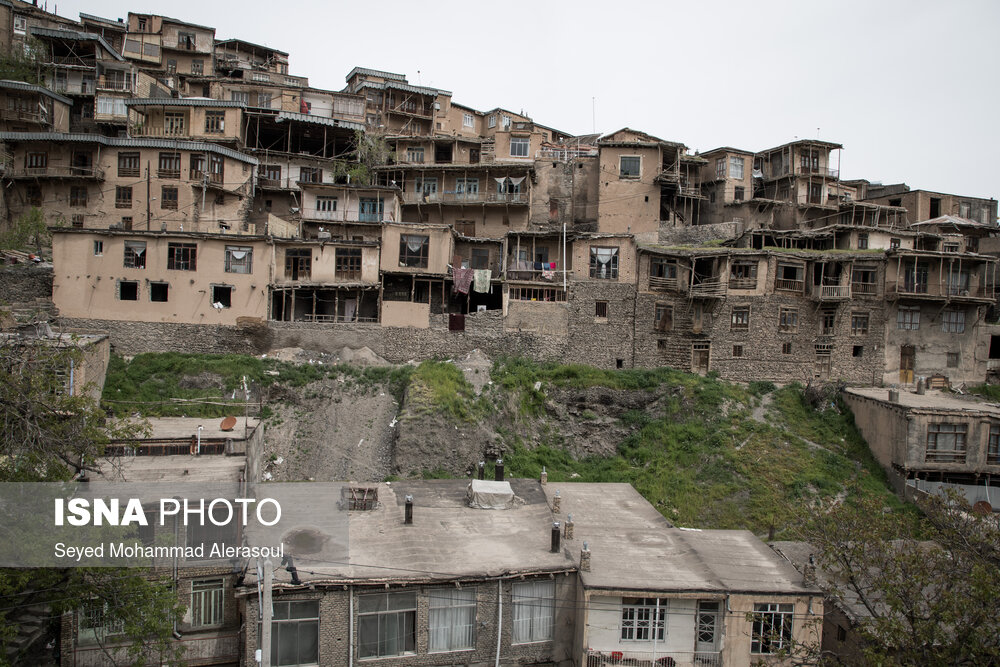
[
  {"x": 643, "y": 618},
  {"x": 264, "y": 100},
  {"x": 859, "y": 324},
  {"x": 77, "y": 221},
  {"x": 239, "y": 259},
  {"x": 326, "y": 204},
  {"x": 720, "y": 168},
  {"x": 222, "y": 296},
  {"x": 415, "y": 154},
  {"x": 953, "y": 321},
  {"x": 240, "y": 96},
  {"x": 98, "y": 248},
  {"x": 519, "y": 146},
  {"x": 413, "y": 250},
  {"x": 36, "y": 160},
  {"x": 946, "y": 443},
  {"x": 740, "y": 319},
  {"x": 809, "y": 160},
  {"x": 94, "y": 623},
  {"x": 20, "y": 24},
  {"x": 629, "y": 166},
  {"x": 347, "y": 263},
  {"x": 310, "y": 175},
  {"x": 128, "y": 290},
  {"x": 993, "y": 447},
  {"x": 111, "y": 106},
  {"x": 480, "y": 259},
  {"x": 862, "y": 241},
  {"x": 386, "y": 624},
  {"x": 827, "y": 322},
  {"x": 427, "y": 187},
  {"x": 78, "y": 195},
  {"x": 737, "y": 351},
  {"x": 295, "y": 633},
  {"x": 468, "y": 120},
  {"x": 216, "y": 169},
  {"x": 272, "y": 173},
  {"x": 182, "y": 256},
  {"x": 743, "y": 275},
  {"x": 370, "y": 209},
  {"x": 298, "y": 263},
  {"x": 950, "y": 247},
  {"x": 738, "y": 193},
  {"x": 207, "y": 598},
  {"x": 215, "y": 122},
  {"x": 788, "y": 320},
  {"x": 142, "y": 25},
  {"x": 952, "y": 359},
  {"x": 505, "y": 122},
  {"x": 492, "y": 121},
  {"x": 126, "y": 222},
  {"x": 123, "y": 196},
  {"x": 467, "y": 188},
  {"x": 736, "y": 168},
  {"x": 33, "y": 193},
  {"x": 786, "y": 348},
  {"x": 601, "y": 309},
  {"x": 908, "y": 317},
  {"x": 159, "y": 291},
  {"x": 863, "y": 280},
  {"x": 168, "y": 197},
  {"x": 894, "y": 244},
  {"x": 662, "y": 272},
  {"x": 603, "y": 263},
  {"x": 858, "y": 351},
  {"x": 452, "y": 619},
  {"x": 169, "y": 165},
  {"x": 198, "y": 67},
  {"x": 173, "y": 123},
  {"x": 772, "y": 627},
  {"x": 663, "y": 317},
  {"x": 534, "y": 611}
]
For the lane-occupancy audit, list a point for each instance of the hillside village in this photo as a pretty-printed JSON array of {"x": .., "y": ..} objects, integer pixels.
[{"x": 202, "y": 199}]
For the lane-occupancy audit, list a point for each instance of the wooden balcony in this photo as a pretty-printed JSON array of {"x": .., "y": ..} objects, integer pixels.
[
  {"x": 790, "y": 285},
  {"x": 94, "y": 173},
  {"x": 708, "y": 288},
  {"x": 663, "y": 284},
  {"x": 832, "y": 292}
]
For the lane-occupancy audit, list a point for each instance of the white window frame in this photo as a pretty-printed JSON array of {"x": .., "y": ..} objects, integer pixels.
[
  {"x": 534, "y": 611},
  {"x": 451, "y": 620},
  {"x": 415, "y": 154},
  {"x": 737, "y": 167},
  {"x": 768, "y": 616},
  {"x": 492, "y": 121},
  {"x": 326, "y": 204},
  {"x": 642, "y": 618},
  {"x": 468, "y": 120},
  {"x": 505, "y": 123},
  {"x": 20, "y": 24},
  {"x": 208, "y": 604},
  {"x": 523, "y": 145}
]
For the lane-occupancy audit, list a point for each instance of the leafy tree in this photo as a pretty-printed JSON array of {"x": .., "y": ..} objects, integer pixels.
[
  {"x": 23, "y": 64},
  {"x": 46, "y": 434},
  {"x": 371, "y": 151},
  {"x": 28, "y": 233},
  {"x": 926, "y": 588}
]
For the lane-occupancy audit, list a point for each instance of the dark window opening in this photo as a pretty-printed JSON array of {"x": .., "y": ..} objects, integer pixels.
[
  {"x": 128, "y": 290},
  {"x": 858, "y": 351},
  {"x": 222, "y": 295},
  {"x": 601, "y": 309},
  {"x": 158, "y": 291}
]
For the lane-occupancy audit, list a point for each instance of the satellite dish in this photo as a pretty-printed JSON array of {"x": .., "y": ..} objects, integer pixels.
[
  {"x": 228, "y": 424},
  {"x": 982, "y": 507}
]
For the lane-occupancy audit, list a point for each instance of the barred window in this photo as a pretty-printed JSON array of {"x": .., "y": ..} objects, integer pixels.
[
  {"x": 953, "y": 321},
  {"x": 239, "y": 259},
  {"x": 772, "y": 627},
  {"x": 207, "y": 602},
  {"x": 740, "y": 317},
  {"x": 643, "y": 619},
  {"x": 182, "y": 256},
  {"x": 908, "y": 318}
]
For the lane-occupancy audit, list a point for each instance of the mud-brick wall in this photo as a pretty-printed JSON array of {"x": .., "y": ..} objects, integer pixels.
[
  {"x": 601, "y": 341},
  {"x": 138, "y": 337},
  {"x": 21, "y": 283}
]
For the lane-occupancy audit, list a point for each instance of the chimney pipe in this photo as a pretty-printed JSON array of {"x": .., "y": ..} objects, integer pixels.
[
  {"x": 555, "y": 537},
  {"x": 568, "y": 527},
  {"x": 545, "y": 476},
  {"x": 585, "y": 558},
  {"x": 482, "y": 470},
  {"x": 408, "y": 510},
  {"x": 499, "y": 470},
  {"x": 556, "y": 502}
]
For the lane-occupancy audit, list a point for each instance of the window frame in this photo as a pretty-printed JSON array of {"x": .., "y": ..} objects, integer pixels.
[
  {"x": 953, "y": 321},
  {"x": 215, "y": 122},
  {"x": 286, "y": 622},
  {"x": 629, "y": 174},
  {"x": 604, "y": 270},
  {"x": 766, "y": 617},
  {"x": 642, "y": 618},
  {"x": 523, "y": 145},
  {"x": 394, "y": 611},
  {"x": 788, "y": 320},
  {"x": 533, "y": 615},
  {"x": 169, "y": 202},
  {"x": 860, "y": 323},
  {"x": 737, "y": 168},
  {"x": 182, "y": 256},
  {"x": 454, "y": 603},
  {"x": 414, "y": 259},
  {"x": 908, "y": 318},
  {"x": 739, "y": 318},
  {"x": 243, "y": 265},
  {"x": 945, "y": 433},
  {"x": 132, "y": 259}
]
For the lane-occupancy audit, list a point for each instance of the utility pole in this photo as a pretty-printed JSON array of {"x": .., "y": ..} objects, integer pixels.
[
  {"x": 265, "y": 624},
  {"x": 147, "y": 196}
]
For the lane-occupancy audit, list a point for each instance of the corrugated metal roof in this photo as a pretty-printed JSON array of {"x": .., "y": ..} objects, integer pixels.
[
  {"x": 319, "y": 120},
  {"x": 197, "y": 146},
  {"x": 234, "y": 40},
  {"x": 374, "y": 72},
  {"x": 405, "y": 87},
  {"x": 30, "y": 87},
  {"x": 111, "y": 22},
  {"x": 182, "y": 102},
  {"x": 76, "y": 34}
]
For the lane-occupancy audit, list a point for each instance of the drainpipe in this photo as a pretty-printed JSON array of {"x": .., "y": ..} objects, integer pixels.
[
  {"x": 71, "y": 368},
  {"x": 350, "y": 636},
  {"x": 198, "y": 449},
  {"x": 564, "y": 257},
  {"x": 499, "y": 619}
]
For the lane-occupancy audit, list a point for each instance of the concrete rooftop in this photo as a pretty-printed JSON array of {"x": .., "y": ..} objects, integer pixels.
[
  {"x": 174, "y": 468},
  {"x": 185, "y": 427},
  {"x": 934, "y": 399}
]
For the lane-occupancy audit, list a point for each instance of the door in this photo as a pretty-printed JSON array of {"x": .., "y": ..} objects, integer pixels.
[
  {"x": 473, "y": 155},
  {"x": 700, "y": 358},
  {"x": 707, "y": 627},
  {"x": 907, "y": 356}
]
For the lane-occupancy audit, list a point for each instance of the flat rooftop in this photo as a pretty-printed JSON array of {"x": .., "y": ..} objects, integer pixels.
[
  {"x": 173, "y": 468},
  {"x": 634, "y": 548},
  {"x": 184, "y": 427},
  {"x": 933, "y": 399}
]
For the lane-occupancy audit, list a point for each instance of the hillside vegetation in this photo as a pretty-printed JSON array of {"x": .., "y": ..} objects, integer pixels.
[{"x": 705, "y": 452}]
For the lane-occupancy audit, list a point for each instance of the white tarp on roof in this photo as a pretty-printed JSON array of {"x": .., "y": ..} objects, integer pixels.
[{"x": 488, "y": 495}]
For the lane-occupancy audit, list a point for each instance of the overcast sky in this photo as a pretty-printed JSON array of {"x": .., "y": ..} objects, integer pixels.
[{"x": 909, "y": 87}]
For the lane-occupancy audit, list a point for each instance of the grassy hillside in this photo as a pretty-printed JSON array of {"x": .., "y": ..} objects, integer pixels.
[{"x": 706, "y": 453}]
